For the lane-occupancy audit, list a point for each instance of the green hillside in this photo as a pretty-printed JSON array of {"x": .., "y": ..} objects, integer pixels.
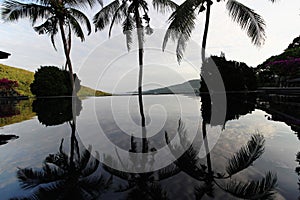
[{"x": 25, "y": 78}]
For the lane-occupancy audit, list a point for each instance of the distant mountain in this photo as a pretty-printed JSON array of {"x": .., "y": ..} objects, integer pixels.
[
  {"x": 188, "y": 87},
  {"x": 25, "y": 78}
]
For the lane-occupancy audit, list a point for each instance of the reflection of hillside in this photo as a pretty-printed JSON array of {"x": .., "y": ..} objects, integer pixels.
[
  {"x": 282, "y": 108},
  {"x": 14, "y": 111}
]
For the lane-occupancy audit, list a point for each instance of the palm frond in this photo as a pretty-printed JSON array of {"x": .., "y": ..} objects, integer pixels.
[
  {"x": 83, "y": 3},
  {"x": 182, "y": 22},
  {"x": 156, "y": 192},
  {"x": 246, "y": 155},
  {"x": 13, "y": 11},
  {"x": 167, "y": 172},
  {"x": 92, "y": 166},
  {"x": 76, "y": 28},
  {"x": 82, "y": 18},
  {"x": 164, "y": 6},
  {"x": 117, "y": 173},
  {"x": 189, "y": 160},
  {"x": 206, "y": 188},
  {"x": 128, "y": 26},
  {"x": 261, "y": 189},
  {"x": 48, "y": 27},
  {"x": 30, "y": 178},
  {"x": 120, "y": 13},
  {"x": 95, "y": 183},
  {"x": 104, "y": 16},
  {"x": 248, "y": 20},
  {"x": 85, "y": 157}
]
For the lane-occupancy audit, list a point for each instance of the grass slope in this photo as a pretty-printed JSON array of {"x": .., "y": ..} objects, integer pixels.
[{"x": 25, "y": 78}]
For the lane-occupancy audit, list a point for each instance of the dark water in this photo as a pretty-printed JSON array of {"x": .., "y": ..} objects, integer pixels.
[{"x": 45, "y": 147}]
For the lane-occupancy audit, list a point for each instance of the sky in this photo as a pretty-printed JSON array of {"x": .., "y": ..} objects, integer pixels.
[{"x": 106, "y": 64}]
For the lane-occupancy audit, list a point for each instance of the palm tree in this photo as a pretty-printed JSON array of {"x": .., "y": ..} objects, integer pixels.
[
  {"x": 183, "y": 20},
  {"x": 141, "y": 185},
  {"x": 60, "y": 15},
  {"x": 64, "y": 176},
  {"x": 132, "y": 14},
  {"x": 191, "y": 164}
]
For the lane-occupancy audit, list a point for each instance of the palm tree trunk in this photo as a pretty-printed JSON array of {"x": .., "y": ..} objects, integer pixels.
[
  {"x": 67, "y": 53},
  {"x": 207, "y": 18},
  {"x": 208, "y": 160},
  {"x": 140, "y": 79},
  {"x": 73, "y": 143}
]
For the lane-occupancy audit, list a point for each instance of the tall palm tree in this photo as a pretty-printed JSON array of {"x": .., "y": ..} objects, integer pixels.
[
  {"x": 183, "y": 20},
  {"x": 60, "y": 15},
  {"x": 133, "y": 14}
]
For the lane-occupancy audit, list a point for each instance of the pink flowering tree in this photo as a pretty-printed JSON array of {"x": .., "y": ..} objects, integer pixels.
[{"x": 7, "y": 87}]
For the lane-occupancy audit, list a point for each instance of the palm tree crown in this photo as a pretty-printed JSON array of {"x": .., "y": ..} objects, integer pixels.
[
  {"x": 60, "y": 15},
  {"x": 183, "y": 20}
]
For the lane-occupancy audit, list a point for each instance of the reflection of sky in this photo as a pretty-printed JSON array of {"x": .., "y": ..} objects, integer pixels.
[
  {"x": 37, "y": 141},
  {"x": 30, "y": 50}
]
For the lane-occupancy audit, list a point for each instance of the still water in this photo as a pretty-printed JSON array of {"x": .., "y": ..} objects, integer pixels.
[{"x": 49, "y": 152}]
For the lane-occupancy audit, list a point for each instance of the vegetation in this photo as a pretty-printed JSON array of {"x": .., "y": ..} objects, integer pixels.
[
  {"x": 55, "y": 111},
  {"x": 183, "y": 20},
  {"x": 25, "y": 78},
  {"x": 57, "y": 15},
  {"x": 237, "y": 76},
  {"x": 16, "y": 111},
  {"x": 133, "y": 14},
  {"x": 280, "y": 70},
  {"x": 52, "y": 81}
]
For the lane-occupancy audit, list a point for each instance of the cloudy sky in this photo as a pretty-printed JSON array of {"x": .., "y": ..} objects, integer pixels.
[{"x": 101, "y": 61}]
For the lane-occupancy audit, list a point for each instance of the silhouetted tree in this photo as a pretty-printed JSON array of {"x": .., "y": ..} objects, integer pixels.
[
  {"x": 183, "y": 20},
  {"x": 60, "y": 15},
  {"x": 132, "y": 14}
]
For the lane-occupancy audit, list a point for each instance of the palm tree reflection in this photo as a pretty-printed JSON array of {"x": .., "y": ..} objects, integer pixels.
[
  {"x": 66, "y": 176},
  {"x": 141, "y": 185},
  {"x": 192, "y": 165}
]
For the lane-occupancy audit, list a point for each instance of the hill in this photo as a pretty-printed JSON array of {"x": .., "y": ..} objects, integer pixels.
[
  {"x": 188, "y": 87},
  {"x": 25, "y": 78}
]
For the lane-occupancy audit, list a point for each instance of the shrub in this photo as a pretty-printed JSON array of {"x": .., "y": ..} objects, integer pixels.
[
  {"x": 51, "y": 81},
  {"x": 7, "y": 87}
]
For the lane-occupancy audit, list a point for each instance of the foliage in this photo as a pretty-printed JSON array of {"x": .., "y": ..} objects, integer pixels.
[
  {"x": 51, "y": 81},
  {"x": 55, "y": 111},
  {"x": 246, "y": 155},
  {"x": 237, "y": 76},
  {"x": 183, "y": 19},
  {"x": 8, "y": 84},
  {"x": 277, "y": 70},
  {"x": 64, "y": 178},
  {"x": 17, "y": 111},
  {"x": 262, "y": 189},
  {"x": 23, "y": 77},
  {"x": 121, "y": 12},
  {"x": 191, "y": 164},
  {"x": 56, "y": 16},
  {"x": 7, "y": 88}
]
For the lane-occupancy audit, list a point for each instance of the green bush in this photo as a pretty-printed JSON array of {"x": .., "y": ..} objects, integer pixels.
[{"x": 51, "y": 81}]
